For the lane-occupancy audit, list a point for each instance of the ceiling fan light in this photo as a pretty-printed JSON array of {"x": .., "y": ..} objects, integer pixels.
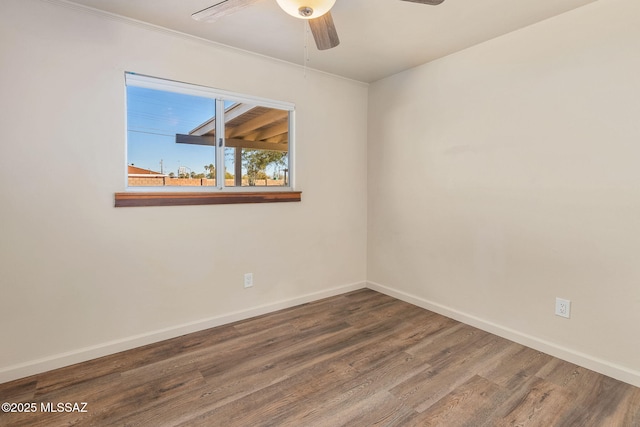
[{"x": 306, "y": 9}]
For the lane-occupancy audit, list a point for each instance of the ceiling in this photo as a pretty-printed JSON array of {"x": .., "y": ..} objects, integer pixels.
[{"x": 378, "y": 37}]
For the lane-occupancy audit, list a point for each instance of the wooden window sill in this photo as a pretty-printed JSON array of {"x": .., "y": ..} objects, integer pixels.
[{"x": 187, "y": 199}]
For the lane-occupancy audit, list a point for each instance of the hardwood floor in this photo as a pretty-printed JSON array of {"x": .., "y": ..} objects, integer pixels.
[{"x": 359, "y": 359}]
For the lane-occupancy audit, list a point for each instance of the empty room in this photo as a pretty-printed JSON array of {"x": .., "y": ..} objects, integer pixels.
[{"x": 320, "y": 213}]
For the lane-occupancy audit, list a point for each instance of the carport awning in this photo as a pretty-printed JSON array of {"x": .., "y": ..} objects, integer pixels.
[{"x": 246, "y": 126}]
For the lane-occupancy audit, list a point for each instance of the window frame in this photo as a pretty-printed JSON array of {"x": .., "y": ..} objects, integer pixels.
[{"x": 218, "y": 194}]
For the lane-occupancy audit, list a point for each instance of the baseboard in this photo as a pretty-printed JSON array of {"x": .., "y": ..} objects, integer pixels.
[
  {"x": 37, "y": 366},
  {"x": 604, "y": 367}
]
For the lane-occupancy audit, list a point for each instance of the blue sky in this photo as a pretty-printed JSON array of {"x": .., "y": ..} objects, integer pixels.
[{"x": 154, "y": 117}]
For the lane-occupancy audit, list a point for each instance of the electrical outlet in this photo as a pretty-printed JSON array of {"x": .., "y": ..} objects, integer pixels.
[
  {"x": 248, "y": 280},
  {"x": 563, "y": 307}
]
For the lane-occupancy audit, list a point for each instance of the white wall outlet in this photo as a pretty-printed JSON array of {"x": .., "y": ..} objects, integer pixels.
[
  {"x": 563, "y": 307},
  {"x": 248, "y": 280}
]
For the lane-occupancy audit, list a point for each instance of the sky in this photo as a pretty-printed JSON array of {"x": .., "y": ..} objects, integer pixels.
[{"x": 154, "y": 118}]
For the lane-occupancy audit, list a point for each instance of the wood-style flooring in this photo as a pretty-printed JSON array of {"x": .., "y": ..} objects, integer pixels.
[{"x": 358, "y": 359}]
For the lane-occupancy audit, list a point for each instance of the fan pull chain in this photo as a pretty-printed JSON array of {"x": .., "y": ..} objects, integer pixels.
[{"x": 305, "y": 59}]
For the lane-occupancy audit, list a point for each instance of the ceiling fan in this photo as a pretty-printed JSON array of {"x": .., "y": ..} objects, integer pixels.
[{"x": 317, "y": 12}]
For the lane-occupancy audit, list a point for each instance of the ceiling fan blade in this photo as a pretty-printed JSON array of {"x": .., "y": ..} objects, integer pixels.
[
  {"x": 324, "y": 32},
  {"x": 220, "y": 9},
  {"x": 431, "y": 2}
]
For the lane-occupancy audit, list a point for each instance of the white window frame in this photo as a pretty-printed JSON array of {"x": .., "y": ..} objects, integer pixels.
[{"x": 220, "y": 96}]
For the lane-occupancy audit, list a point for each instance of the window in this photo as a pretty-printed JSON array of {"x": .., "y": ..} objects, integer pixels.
[{"x": 191, "y": 140}]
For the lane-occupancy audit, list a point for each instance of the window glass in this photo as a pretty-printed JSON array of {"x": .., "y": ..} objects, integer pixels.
[
  {"x": 182, "y": 135},
  {"x": 257, "y": 141},
  {"x": 154, "y": 118}
]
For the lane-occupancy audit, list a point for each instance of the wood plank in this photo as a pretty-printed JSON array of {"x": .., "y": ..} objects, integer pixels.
[
  {"x": 351, "y": 399},
  {"x": 207, "y": 140},
  {"x": 209, "y": 127},
  {"x": 138, "y": 199},
  {"x": 256, "y": 123},
  {"x": 121, "y": 362},
  {"x": 448, "y": 372},
  {"x": 361, "y": 358},
  {"x": 233, "y": 143},
  {"x": 256, "y": 145},
  {"x": 540, "y": 403},
  {"x": 21, "y": 390},
  {"x": 237, "y": 166},
  {"x": 470, "y": 404},
  {"x": 324, "y": 32},
  {"x": 276, "y": 129},
  {"x": 517, "y": 366},
  {"x": 266, "y": 405}
]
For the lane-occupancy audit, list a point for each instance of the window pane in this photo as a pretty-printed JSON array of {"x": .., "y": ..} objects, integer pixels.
[
  {"x": 257, "y": 145},
  {"x": 156, "y": 154}
]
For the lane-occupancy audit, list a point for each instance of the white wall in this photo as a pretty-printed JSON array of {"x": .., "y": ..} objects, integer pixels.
[
  {"x": 499, "y": 178},
  {"x": 508, "y": 174},
  {"x": 81, "y": 278}
]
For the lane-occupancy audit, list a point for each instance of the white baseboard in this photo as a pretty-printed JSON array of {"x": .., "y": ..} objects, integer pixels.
[
  {"x": 604, "y": 367},
  {"x": 55, "y": 361}
]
